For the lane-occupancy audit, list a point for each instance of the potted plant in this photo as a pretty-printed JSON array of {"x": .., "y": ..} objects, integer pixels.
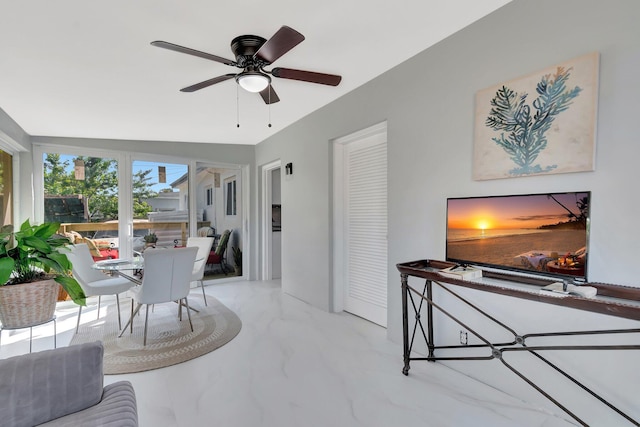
[
  {"x": 237, "y": 260},
  {"x": 150, "y": 240},
  {"x": 33, "y": 266}
]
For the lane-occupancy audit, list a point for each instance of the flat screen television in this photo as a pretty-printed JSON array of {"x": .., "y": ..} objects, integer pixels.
[{"x": 544, "y": 234}]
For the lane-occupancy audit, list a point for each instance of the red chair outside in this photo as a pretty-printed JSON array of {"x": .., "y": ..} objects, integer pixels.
[{"x": 217, "y": 256}]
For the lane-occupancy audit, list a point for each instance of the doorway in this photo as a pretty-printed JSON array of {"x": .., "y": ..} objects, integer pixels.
[
  {"x": 271, "y": 221},
  {"x": 219, "y": 199},
  {"x": 360, "y": 224}
]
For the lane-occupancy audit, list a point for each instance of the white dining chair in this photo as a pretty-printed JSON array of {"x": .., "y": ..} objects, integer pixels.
[
  {"x": 204, "y": 248},
  {"x": 94, "y": 282},
  {"x": 167, "y": 278}
]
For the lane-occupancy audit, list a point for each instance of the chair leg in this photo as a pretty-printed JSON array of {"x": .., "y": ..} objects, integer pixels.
[
  {"x": 146, "y": 321},
  {"x": 186, "y": 303},
  {"x": 78, "y": 323},
  {"x": 99, "y": 298},
  {"x": 203, "y": 294},
  {"x": 118, "y": 305},
  {"x": 131, "y": 319},
  {"x": 130, "y": 322}
]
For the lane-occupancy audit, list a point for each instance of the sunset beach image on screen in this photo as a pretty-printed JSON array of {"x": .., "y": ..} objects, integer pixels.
[{"x": 545, "y": 233}]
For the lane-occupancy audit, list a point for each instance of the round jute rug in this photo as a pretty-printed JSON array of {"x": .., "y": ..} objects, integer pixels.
[{"x": 169, "y": 340}]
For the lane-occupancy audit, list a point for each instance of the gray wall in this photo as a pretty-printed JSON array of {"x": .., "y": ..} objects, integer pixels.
[
  {"x": 428, "y": 103},
  {"x": 13, "y": 130},
  {"x": 220, "y": 153},
  {"x": 16, "y": 137}
]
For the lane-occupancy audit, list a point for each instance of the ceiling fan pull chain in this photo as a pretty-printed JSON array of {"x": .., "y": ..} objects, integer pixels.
[
  {"x": 269, "y": 104},
  {"x": 237, "y": 107}
]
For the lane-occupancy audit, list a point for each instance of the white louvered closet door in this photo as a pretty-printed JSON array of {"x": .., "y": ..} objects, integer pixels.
[{"x": 366, "y": 228}]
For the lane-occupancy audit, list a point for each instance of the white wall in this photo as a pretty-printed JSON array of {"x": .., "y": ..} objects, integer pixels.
[
  {"x": 428, "y": 103},
  {"x": 205, "y": 179}
]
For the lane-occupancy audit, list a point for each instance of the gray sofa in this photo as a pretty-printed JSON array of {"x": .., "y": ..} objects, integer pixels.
[{"x": 63, "y": 387}]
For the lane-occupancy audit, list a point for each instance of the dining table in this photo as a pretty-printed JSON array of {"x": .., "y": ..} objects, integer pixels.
[{"x": 129, "y": 268}]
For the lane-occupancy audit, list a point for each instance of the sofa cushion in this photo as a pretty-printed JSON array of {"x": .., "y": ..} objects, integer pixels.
[
  {"x": 42, "y": 386},
  {"x": 117, "y": 409}
]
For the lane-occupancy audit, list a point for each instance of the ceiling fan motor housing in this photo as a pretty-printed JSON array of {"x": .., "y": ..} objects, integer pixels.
[{"x": 244, "y": 47}]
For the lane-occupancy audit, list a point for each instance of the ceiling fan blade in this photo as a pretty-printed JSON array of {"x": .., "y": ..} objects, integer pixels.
[
  {"x": 207, "y": 83},
  {"x": 281, "y": 42},
  {"x": 188, "y": 51},
  {"x": 307, "y": 76},
  {"x": 269, "y": 98}
]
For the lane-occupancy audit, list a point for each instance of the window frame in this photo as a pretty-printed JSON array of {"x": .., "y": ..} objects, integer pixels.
[
  {"x": 231, "y": 196},
  {"x": 208, "y": 196}
]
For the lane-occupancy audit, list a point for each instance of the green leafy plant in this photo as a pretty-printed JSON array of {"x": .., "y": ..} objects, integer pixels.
[
  {"x": 237, "y": 256},
  {"x": 36, "y": 252},
  {"x": 523, "y": 134},
  {"x": 151, "y": 238}
]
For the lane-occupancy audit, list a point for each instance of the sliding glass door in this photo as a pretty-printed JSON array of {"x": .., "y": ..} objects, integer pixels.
[
  {"x": 109, "y": 200},
  {"x": 113, "y": 201},
  {"x": 81, "y": 193},
  {"x": 219, "y": 202},
  {"x": 160, "y": 195}
]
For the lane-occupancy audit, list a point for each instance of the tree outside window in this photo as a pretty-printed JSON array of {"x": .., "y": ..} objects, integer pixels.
[{"x": 98, "y": 187}]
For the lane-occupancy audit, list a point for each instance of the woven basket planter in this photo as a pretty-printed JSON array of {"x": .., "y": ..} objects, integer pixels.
[{"x": 28, "y": 304}]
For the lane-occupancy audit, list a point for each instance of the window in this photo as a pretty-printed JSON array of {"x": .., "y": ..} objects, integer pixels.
[
  {"x": 209, "y": 196},
  {"x": 80, "y": 188},
  {"x": 230, "y": 197},
  {"x": 6, "y": 188},
  {"x": 119, "y": 202}
]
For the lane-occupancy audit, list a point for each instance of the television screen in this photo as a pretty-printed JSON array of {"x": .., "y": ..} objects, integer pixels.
[{"x": 541, "y": 233}]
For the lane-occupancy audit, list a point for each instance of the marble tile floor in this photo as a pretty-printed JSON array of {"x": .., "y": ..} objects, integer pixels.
[{"x": 296, "y": 366}]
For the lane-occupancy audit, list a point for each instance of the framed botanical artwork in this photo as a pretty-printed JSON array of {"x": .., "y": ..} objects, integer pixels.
[{"x": 543, "y": 123}]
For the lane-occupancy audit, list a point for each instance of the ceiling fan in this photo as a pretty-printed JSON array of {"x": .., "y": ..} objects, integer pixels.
[{"x": 253, "y": 53}]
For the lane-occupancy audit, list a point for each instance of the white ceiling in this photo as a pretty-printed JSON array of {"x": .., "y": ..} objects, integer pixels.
[{"x": 79, "y": 68}]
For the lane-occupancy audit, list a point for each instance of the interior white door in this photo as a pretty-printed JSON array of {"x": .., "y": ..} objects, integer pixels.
[{"x": 365, "y": 226}]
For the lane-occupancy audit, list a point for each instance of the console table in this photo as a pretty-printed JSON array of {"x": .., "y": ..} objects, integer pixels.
[{"x": 613, "y": 300}]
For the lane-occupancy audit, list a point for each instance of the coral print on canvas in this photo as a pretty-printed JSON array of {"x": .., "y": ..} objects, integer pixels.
[{"x": 543, "y": 123}]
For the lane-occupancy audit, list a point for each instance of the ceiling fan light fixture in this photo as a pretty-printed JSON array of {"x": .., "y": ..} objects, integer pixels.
[{"x": 253, "y": 81}]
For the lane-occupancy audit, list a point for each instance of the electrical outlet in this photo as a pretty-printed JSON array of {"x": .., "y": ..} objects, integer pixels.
[{"x": 464, "y": 338}]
